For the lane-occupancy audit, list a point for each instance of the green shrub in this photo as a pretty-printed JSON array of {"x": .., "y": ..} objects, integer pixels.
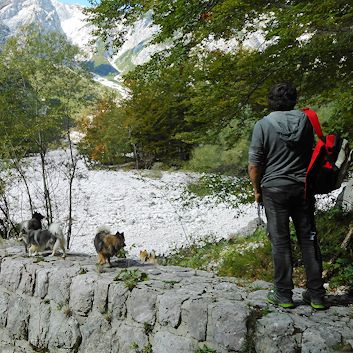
[
  {"x": 82, "y": 271},
  {"x": 342, "y": 272},
  {"x": 131, "y": 277},
  {"x": 220, "y": 159},
  {"x": 122, "y": 253},
  {"x": 197, "y": 255},
  {"x": 205, "y": 158},
  {"x": 332, "y": 227},
  {"x": 234, "y": 191}
]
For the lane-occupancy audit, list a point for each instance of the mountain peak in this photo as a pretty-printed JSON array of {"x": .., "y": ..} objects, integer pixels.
[
  {"x": 49, "y": 15},
  {"x": 54, "y": 16},
  {"x": 17, "y": 13}
]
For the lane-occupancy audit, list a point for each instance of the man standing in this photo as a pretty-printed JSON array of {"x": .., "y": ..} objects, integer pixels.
[{"x": 279, "y": 155}]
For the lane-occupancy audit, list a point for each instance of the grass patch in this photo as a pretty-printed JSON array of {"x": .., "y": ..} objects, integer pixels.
[
  {"x": 65, "y": 308},
  {"x": 250, "y": 258},
  {"x": 222, "y": 186},
  {"x": 83, "y": 271},
  {"x": 108, "y": 315},
  {"x": 38, "y": 259},
  {"x": 146, "y": 349},
  {"x": 152, "y": 173},
  {"x": 205, "y": 349},
  {"x": 147, "y": 328},
  {"x": 122, "y": 254}
]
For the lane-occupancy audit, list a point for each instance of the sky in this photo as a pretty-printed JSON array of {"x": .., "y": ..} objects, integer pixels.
[{"x": 78, "y": 2}]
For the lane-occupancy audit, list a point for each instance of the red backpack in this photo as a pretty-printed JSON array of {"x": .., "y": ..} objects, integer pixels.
[{"x": 329, "y": 162}]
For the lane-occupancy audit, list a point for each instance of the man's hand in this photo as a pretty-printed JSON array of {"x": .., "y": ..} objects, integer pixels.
[{"x": 255, "y": 173}]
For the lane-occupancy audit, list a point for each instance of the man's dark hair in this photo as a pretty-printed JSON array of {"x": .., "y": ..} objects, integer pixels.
[{"x": 282, "y": 96}]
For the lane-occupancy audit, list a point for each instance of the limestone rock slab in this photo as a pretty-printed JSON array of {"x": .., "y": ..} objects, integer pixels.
[
  {"x": 141, "y": 305},
  {"x": 38, "y": 327},
  {"x": 82, "y": 293},
  {"x": 165, "y": 341},
  {"x": 227, "y": 324},
  {"x": 18, "y": 317},
  {"x": 64, "y": 332},
  {"x": 169, "y": 307}
]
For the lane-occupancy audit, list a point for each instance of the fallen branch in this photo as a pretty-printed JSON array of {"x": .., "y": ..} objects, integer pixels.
[{"x": 348, "y": 240}]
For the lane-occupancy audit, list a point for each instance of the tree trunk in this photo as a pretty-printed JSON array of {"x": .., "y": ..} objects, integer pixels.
[
  {"x": 23, "y": 177},
  {"x": 135, "y": 156},
  {"x": 48, "y": 206},
  {"x": 72, "y": 173},
  {"x": 135, "y": 151},
  {"x": 348, "y": 240},
  {"x": 9, "y": 225}
]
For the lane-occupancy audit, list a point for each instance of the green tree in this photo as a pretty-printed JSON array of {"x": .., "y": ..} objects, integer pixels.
[
  {"x": 106, "y": 137},
  {"x": 42, "y": 88},
  {"x": 306, "y": 42}
]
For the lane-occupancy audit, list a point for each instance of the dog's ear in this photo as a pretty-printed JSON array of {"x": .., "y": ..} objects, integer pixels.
[
  {"x": 118, "y": 234},
  {"x": 37, "y": 215}
]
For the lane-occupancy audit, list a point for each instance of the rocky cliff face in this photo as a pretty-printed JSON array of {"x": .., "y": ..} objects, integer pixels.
[
  {"x": 62, "y": 306},
  {"x": 4, "y": 33},
  {"x": 16, "y": 13}
]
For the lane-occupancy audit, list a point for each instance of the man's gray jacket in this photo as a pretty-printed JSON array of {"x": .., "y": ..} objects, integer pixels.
[{"x": 282, "y": 144}]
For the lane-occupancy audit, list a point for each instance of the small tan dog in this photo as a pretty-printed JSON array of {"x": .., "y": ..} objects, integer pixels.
[
  {"x": 145, "y": 256},
  {"x": 107, "y": 244}
]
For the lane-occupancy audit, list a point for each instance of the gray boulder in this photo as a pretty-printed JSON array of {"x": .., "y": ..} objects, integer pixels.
[{"x": 345, "y": 198}]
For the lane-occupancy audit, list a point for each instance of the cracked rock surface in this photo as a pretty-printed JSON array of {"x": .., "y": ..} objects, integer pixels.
[{"x": 67, "y": 305}]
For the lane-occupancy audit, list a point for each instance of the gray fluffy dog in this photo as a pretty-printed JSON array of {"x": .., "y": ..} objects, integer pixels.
[{"x": 39, "y": 240}]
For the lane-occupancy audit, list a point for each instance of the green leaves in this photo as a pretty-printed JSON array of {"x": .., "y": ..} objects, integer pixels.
[
  {"x": 190, "y": 94},
  {"x": 41, "y": 88},
  {"x": 131, "y": 277},
  {"x": 106, "y": 137}
]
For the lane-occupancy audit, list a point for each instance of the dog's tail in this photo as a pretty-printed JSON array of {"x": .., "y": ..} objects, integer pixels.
[
  {"x": 103, "y": 230},
  {"x": 56, "y": 230}
]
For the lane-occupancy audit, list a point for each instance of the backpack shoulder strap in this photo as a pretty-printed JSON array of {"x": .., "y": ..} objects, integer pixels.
[{"x": 314, "y": 120}]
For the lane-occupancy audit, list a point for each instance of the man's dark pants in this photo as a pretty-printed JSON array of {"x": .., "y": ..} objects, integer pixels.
[{"x": 280, "y": 204}]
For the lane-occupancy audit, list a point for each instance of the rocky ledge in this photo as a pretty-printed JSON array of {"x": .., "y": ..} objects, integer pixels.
[{"x": 69, "y": 305}]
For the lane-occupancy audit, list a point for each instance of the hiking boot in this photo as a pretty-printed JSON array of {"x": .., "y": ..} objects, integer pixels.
[
  {"x": 316, "y": 303},
  {"x": 276, "y": 299}
]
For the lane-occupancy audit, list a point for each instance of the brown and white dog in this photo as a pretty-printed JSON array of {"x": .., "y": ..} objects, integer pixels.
[{"x": 107, "y": 244}]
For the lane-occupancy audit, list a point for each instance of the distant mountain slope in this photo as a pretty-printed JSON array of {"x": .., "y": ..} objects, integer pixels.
[
  {"x": 16, "y": 13},
  {"x": 52, "y": 15},
  {"x": 4, "y": 33},
  {"x": 136, "y": 50},
  {"x": 74, "y": 25}
]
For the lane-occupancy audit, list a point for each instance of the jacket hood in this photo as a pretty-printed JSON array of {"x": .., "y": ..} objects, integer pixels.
[{"x": 288, "y": 124}]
